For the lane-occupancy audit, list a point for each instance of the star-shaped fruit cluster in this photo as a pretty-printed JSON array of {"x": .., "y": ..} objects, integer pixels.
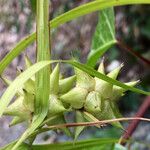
[{"x": 91, "y": 98}]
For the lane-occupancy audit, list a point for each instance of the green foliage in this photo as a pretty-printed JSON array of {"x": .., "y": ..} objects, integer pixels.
[
  {"x": 18, "y": 84},
  {"x": 26, "y": 75},
  {"x": 23, "y": 146},
  {"x": 41, "y": 97},
  {"x": 95, "y": 144},
  {"x": 33, "y": 5},
  {"x": 68, "y": 16},
  {"x": 104, "y": 37},
  {"x": 92, "y": 72}
]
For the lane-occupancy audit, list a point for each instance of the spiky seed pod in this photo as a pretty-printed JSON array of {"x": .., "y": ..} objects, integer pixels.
[
  {"x": 75, "y": 97},
  {"x": 119, "y": 92},
  {"x": 93, "y": 102},
  {"x": 17, "y": 109},
  {"x": 101, "y": 67},
  {"x": 96, "y": 97},
  {"x": 28, "y": 62},
  {"x": 17, "y": 120},
  {"x": 54, "y": 80},
  {"x": 28, "y": 100},
  {"x": 14, "y": 108},
  {"x": 84, "y": 80},
  {"x": 55, "y": 105},
  {"x": 102, "y": 86},
  {"x": 114, "y": 74},
  {"x": 109, "y": 110},
  {"x": 29, "y": 86},
  {"x": 79, "y": 118},
  {"x": 66, "y": 84},
  {"x": 105, "y": 88},
  {"x": 23, "y": 108},
  {"x": 107, "y": 113}
]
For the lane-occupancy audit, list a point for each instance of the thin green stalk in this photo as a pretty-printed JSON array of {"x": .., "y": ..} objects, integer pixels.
[
  {"x": 43, "y": 53},
  {"x": 42, "y": 77}
]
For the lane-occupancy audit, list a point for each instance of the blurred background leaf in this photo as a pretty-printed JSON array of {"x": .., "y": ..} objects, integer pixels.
[
  {"x": 33, "y": 5},
  {"x": 104, "y": 36}
]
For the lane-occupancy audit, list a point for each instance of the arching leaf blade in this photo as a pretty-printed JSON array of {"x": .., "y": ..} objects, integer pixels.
[
  {"x": 93, "y": 72},
  {"x": 104, "y": 36},
  {"x": 16, "y": 51},
  {"x": 82, "y": 144},
  {"x": 66, "y": 17},
  {"x": 96, "y": 54}
]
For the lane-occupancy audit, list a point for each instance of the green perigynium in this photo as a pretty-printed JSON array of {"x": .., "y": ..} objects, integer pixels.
[
  {"x": 91, "y": 99},
  {"x": 93, "y": 102}
]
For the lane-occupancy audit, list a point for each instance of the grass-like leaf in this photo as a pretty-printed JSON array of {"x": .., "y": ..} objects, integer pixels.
[
  {"x": 23, "y": 146},
  {"x": 93, "y": 72},
  {"x": 104, "y": 36},
  {"x": 42, "y": 85},
  {"x": 95, "y": 144},
  {"x": 68, "y": 16},
  {"x": 16, "y": 51},
  {"x": 43, "y": 53},
  {"x": 90, "y": 144}
]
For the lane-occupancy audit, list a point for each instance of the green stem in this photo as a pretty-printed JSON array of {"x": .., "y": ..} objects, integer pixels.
[
  {"x": 43, "y": 53},
  {"x": 42, "y": 77}
]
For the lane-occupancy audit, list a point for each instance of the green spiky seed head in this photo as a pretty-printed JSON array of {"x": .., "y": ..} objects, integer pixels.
[{"x": 91, "y": 98}]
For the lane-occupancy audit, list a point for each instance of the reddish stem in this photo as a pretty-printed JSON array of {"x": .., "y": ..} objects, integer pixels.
[
  {"x": 134, "y": 53},
  {"x": 133, "y": 125}
]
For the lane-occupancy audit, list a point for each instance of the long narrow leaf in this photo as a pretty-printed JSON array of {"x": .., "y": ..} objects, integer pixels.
[
  {"x": 91, "y": 7},
  {"x": 83, "y": 144},
  {"x": 104, "y": 36},
  {"x": 23, "y": 146},
  {"x": 93, "y": 72},
  {"x": 42, "y": 77},
  {"x": 43, "y": 53},
  {"x": 16, "y": 51},
  {"x": 95, "y": 55},
  {"x": 96, "y": 144},
  {"x": 70, "y": 15}
]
